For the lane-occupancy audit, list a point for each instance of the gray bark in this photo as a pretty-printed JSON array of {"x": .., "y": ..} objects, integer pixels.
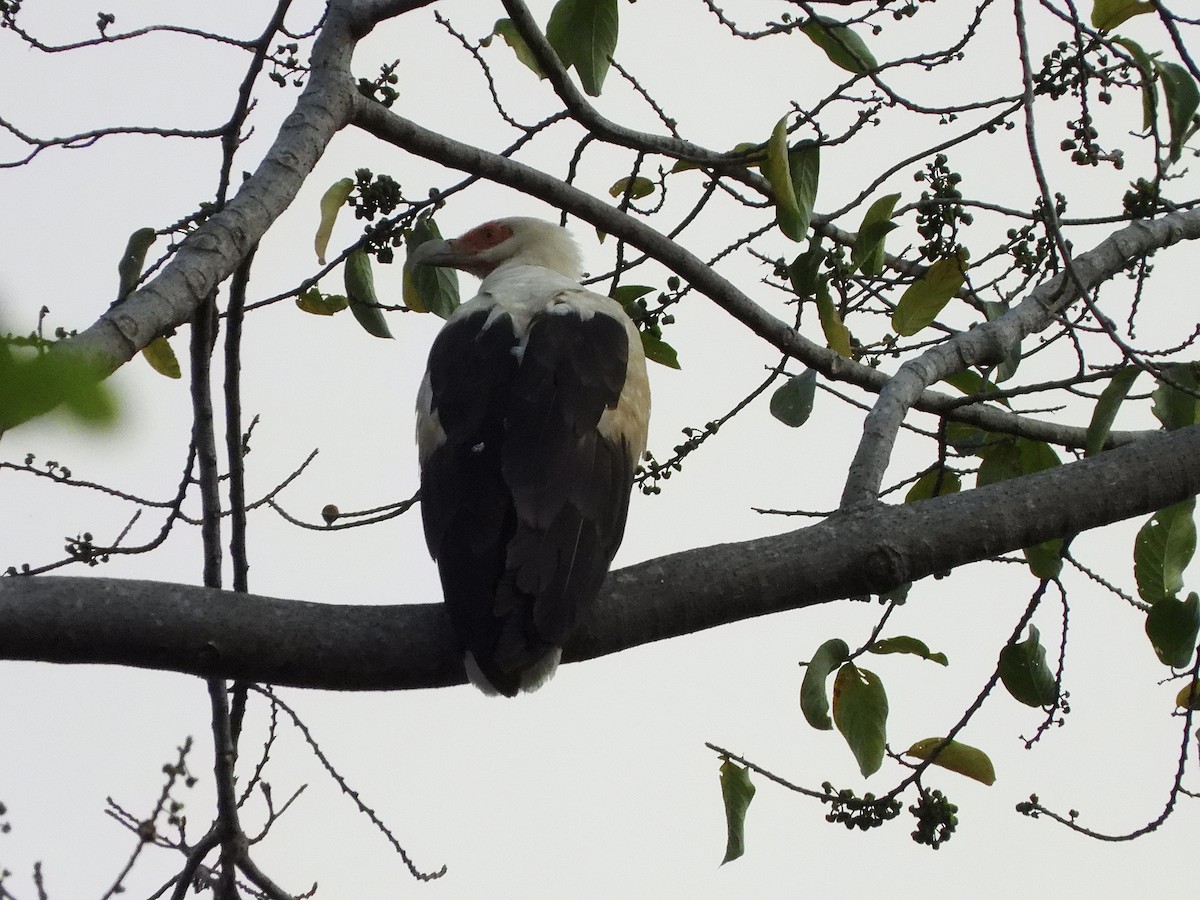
[{"x": 182, "y": 628}]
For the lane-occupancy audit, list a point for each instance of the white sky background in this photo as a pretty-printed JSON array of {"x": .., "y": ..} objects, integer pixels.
[{"x": 598, "y": 786}]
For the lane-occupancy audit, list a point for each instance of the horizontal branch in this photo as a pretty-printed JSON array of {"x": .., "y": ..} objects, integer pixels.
[{"x": 174, "y": 627}]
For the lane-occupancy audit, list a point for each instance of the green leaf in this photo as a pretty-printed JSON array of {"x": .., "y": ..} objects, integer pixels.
[
  {"x": 1173, "y": 407},
  {"x": 737, "y": 791},
  {"x": 777, "y": 169},
  {"x": 1024, "y": 672},
  {"x": 428, "y": 288},
  {"x": 844, "y": 48},
  {"x": 1036, "y": 456},
  {"x": 162, "y": 358},
  {"x": 584, "y": 34},
  {"x": 961, "y": 758},
  {"x": 1108, "y": 14},
  {"x": 910, "y": 645},
  {"x": 1109, "y": 402},
  {"x": 804, "y": 165},
  {"x": 814, "y": 702},
  {"x": 625, "y": 294},
  {"x": 1162, "y": 549},
  {"x": 1012, "y": 457},
  {"x": 837, "y": 335},
  {"x": 133, "y": 260},
  {"x": 507, "y": 30},
  {"x": 1173, "y": 626},
  {"x": 971, "y": 383},
  {"x": 805, "y": 271},
  {"x": 318, "y": 304},
  {"x": 867, "y": 253},
  {"x": 860, "y": 711},
  {"x": 967, "y": 439},
  {"x": 360, "y": 291},
  {"x": 926, "y": 297},
  {"x": 792, "y": 402},
  {"x": 1001, "y": 461},
  {"x": 637, "y": 187},
  {"x": 1045, "y": 559},
  {"x": 1183, "y": 97},
  {"x": 659, "y": 351},
  {"x": 752, "y": 157},
  {"x": 1145, "y": 64},
  {"x": 331, "y": 202},
  {"x": 30, "y": 386},
  {"x": 930, "y": 485}
]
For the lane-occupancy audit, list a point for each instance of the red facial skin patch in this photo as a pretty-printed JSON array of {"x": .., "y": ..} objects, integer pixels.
[{"x": 483, "y": 237}]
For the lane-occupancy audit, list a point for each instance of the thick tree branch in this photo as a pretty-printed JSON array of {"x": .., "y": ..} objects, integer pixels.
[
  {"x": 189, "y": 629},
  {"x": 213, "y": 251}
]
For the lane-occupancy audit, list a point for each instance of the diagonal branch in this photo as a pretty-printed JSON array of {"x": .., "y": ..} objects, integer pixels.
[
  {"x": 182, "y": 628},
  {"x": 387, "y": 126},
  {"x": 209, "y": 255},
  {"x": 989, "y": 343}
]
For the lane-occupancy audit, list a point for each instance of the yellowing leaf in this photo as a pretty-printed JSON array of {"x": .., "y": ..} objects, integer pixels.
[
  {"x": 937, "y": 482},
  {"x": 162, "y": 358},
  {"x": 1189, "y": 690},
  {"x": 926, "y": 297},
  {"x": 837, "y": 335},
  {"x": 332, "y": 201},
  {"x": 1108, "y": 14},
  {"x": 637, "y": 187},
  {"x": 318, "y": 304},
  {"x": 961, "y": 758},
  {"x": 910, "y": 645}
]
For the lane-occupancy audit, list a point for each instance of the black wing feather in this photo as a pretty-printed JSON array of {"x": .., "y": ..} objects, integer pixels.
[{"x": 525, "y": 501}]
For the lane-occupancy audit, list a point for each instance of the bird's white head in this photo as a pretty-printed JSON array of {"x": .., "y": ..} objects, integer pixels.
[{"x": 516, "y": 241}]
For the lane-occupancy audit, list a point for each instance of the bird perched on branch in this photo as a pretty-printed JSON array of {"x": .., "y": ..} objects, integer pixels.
[{"x": 531, "y": 420}]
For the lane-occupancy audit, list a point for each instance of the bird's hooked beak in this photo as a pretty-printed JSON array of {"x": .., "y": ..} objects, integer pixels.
[{"x": 436, "y": 253}]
